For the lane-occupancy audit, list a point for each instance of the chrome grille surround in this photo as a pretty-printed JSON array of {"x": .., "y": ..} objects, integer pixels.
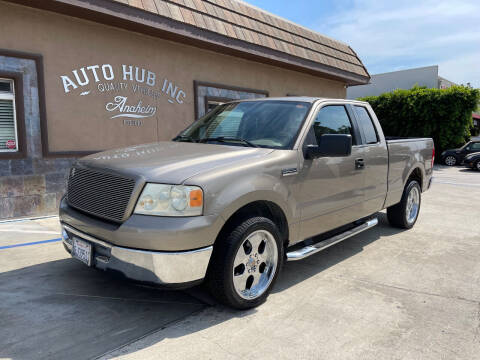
[{"x": 100, "y": 193}]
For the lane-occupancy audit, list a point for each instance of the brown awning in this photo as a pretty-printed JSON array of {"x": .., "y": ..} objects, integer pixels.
[{"x": 227, "y": 26}]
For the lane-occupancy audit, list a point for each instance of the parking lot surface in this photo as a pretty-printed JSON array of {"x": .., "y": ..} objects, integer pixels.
[{"x": 384, "y": 294}]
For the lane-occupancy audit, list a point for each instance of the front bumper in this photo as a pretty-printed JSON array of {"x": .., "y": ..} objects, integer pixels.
[
  {"x": 174, "y": 269},
  {"x": 151, "y": 233}
]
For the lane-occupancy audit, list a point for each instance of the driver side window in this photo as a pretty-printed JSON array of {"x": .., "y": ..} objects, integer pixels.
[{"x": 332, "y": 119}]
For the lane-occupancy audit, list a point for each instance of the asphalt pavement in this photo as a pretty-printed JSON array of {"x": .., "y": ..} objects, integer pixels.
[{"x": 383, "y": 294}]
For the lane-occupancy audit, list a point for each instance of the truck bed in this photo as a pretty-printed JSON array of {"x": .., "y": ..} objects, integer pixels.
[{"x": 405, "y": 154}]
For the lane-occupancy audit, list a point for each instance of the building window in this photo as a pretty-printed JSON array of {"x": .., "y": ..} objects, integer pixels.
[
  {"x": 8, "y": 120},
  {"x": 209, "y": 95},
  {"x": 211, "y": 102}
]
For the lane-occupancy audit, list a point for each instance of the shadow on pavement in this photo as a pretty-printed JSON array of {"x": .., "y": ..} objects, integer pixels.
[
  {"x": 440, "y": 167},
  {"x": 297, "y": 271},
  {"x": 62, "y": 309}
]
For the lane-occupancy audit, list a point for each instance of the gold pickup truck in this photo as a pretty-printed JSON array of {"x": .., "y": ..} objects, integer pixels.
[{"x": 248, "y": 186}]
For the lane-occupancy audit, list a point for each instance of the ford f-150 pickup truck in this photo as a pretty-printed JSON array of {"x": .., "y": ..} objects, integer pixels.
[{"x": 250, "y": 185}]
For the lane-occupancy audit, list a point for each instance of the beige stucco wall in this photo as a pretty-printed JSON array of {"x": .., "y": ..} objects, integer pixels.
[{"x": 82, "y": 122}]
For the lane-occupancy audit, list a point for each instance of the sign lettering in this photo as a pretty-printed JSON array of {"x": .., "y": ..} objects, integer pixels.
[{"x": 99, "y": 79}]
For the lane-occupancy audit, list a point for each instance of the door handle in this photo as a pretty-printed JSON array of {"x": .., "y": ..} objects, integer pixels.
[{"x": 359, "y": 163}]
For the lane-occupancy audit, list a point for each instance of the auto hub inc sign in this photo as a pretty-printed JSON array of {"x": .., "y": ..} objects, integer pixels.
[{"x": 136, "y": 92}]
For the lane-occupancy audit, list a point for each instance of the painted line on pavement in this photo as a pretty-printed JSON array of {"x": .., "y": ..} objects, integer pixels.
[
  {"x": 29, "y": 231},
  {"x": 30, "y": 243},
  {"x": 436, "y": 181},
  {"x": 28, "y": 219}
]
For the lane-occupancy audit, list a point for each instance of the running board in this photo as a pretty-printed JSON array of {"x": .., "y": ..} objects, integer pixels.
[{"x": 313, "y": 249}]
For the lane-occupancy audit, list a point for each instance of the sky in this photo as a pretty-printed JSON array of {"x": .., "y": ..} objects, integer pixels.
[{"x": 395, "y": 35}]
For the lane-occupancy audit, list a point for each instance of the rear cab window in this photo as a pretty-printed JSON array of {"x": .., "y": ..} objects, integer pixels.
[{"x": 365, "y": 122}]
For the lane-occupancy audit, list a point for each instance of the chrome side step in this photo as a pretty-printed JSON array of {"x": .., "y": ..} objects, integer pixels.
[{"x": 313, "y": 249}]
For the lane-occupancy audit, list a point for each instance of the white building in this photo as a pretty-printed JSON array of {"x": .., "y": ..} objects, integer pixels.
[{"x": 403, "y": 79}]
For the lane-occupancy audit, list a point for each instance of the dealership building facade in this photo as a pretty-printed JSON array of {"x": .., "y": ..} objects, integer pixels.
[{"x": 79, "y": 76}]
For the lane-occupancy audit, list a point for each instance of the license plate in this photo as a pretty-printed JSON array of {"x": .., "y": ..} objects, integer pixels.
[{"x": 82, "y": 251}]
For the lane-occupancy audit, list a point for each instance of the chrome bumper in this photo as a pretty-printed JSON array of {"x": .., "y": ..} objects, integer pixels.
[{"x": 164, "y": 268}]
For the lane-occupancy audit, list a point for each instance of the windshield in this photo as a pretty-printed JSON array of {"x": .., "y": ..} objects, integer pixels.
[
  {"x": 464, "y": 146},
  {"x": 270, "y": 124}
]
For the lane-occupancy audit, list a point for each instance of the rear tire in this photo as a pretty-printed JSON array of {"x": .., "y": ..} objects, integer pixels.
[
  {"x": 245, "y": 263},
  {"x": 477, "y": 165},
  {"x": 405, "y": 214}
]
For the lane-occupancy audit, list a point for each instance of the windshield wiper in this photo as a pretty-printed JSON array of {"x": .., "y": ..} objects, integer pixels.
[
  {"x": 184, "y": 138},
  {"x": 227, "y": 139}
]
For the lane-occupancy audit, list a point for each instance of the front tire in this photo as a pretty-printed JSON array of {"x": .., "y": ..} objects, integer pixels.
[
  {"x": 405, "y": 214},
  {"x": 245, "y": 263},
  {"x": 450, "y": 160},
  {"x": 477, "y": 165}
]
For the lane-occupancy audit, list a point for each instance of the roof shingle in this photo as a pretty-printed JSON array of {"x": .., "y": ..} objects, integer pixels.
[{"x": 239, "y": 20}]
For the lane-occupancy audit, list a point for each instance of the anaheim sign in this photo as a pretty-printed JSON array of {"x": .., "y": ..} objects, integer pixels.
[
  {"x": 133, "y": 111},
  {"x": 100, "y": 79}
]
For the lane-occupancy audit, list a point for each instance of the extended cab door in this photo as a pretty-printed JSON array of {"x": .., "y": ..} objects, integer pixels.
[
  {"x": 331, "y": 188},
  {"x": 375, "y": 158}
]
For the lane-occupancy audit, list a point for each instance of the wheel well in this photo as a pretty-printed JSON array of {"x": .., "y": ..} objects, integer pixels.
[
  {"x": 263, "y": 208},
  {"x": 416, "y": 175}
]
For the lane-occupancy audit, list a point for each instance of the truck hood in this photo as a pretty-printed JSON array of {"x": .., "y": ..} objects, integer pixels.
[{"x": 170, "y": 162}]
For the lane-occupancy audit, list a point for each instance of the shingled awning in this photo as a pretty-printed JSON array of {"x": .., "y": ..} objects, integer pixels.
[{"x": 228, "y": 26}]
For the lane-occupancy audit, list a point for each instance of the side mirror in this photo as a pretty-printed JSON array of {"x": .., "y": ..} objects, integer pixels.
[{"x": 331, "y": 145}]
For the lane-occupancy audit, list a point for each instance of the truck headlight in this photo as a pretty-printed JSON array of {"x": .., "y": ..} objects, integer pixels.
[{"x": 170, "y": 200}]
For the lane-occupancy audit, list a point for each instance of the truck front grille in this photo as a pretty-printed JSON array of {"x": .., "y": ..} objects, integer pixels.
[{"x": 98, "y": 193}]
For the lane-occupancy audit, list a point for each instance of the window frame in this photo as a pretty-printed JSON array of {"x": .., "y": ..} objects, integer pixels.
[
  {"x": 19, "y": 115},
  {"x": 11, "y": 96},
  {"x": 360, "y": 128},
  {"x": 356, "y": 136}
]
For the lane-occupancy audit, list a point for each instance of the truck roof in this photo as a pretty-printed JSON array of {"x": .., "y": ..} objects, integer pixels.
[{"x": 309, "y": 99}]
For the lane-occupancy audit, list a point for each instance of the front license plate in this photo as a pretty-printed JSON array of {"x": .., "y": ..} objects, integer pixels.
[{"x": 82, "y": 251}]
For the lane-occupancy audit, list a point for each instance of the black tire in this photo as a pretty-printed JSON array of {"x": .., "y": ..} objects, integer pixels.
[
  {"x": 451, "y": 160},
  {"x": 219, "y": 276},
  {"x": 476, "y": 166},
  {"x": 396, "y": 214}
]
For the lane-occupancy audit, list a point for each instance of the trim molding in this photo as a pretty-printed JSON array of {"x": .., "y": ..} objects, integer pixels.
[
  {"x": 46, "y": 153},
  {"x": 38, "y": 58},
  {"x": 17, "y": 78}
]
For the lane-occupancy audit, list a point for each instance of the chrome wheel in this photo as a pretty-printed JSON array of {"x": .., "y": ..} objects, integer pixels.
[
  {"x": 413, "y": 205},
  {"x": 450, "y": 160},
  {"x": 478, "y": 165},
  {"x": 255, "y": 264}
]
